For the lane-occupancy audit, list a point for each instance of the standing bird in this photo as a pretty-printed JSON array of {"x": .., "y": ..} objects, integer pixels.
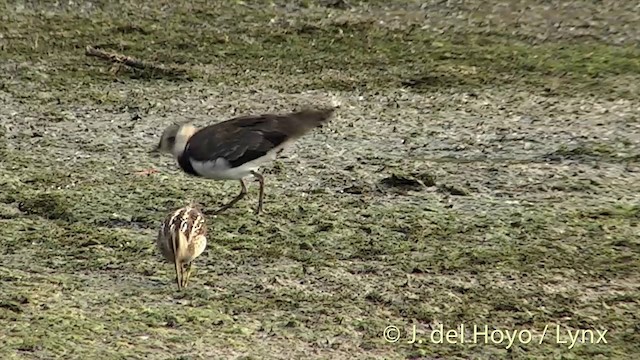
[
  {"x": 236, "y": 148},
  {"x": 181, "y": 239}
]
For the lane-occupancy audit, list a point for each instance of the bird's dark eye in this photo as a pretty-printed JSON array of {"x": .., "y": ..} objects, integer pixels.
[{"x": 171, "y": 139}]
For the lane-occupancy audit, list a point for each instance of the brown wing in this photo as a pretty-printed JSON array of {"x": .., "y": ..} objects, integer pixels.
[
  {"x": 187, "y": 220},
  {"x": 197, "y": 223}
]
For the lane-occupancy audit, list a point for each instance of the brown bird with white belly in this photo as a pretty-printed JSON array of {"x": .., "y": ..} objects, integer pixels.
[
  {"x": 235, "y": 149},
  {"x": 181, "y": 239}
]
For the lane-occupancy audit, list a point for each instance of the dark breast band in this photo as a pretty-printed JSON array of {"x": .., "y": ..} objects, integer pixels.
[{"x": 185, "y": 164}]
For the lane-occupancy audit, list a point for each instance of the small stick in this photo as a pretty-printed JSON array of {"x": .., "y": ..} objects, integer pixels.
[
  {"x": 131, "y": 62},
  {"x": 146, "y": 172}
]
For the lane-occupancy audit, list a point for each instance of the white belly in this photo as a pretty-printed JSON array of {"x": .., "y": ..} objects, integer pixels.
[{"x": 220, "y": 169}]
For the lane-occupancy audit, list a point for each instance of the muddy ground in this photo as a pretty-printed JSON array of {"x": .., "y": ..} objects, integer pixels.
[{"x": 483, "y": 169}]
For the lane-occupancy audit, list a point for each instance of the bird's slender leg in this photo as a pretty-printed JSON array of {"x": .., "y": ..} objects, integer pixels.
[
  {"x": 243, "y": 192},
  {"x": 261, "y": 195},
  {"x": 178, "y": 274},
  {"x": 187, "y": 274}
]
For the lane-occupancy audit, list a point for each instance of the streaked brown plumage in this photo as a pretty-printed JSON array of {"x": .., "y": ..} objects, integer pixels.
[
  {"x": 236, "y": 148},
  {"x": 182, "y": 238}
]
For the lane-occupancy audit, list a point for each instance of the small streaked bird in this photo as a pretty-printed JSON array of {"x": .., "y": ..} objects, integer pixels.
[
  {"x": 236, "y": 148},
  {"x": 182, "y": 238}
]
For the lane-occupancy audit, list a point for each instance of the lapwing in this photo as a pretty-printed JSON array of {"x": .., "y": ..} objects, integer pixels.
[
  {"x": 181, "y": 239},
  {"x": 235, "y": 149}
]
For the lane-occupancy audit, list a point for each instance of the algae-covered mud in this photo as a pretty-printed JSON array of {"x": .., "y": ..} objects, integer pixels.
[{"x": 482, "y": 170}]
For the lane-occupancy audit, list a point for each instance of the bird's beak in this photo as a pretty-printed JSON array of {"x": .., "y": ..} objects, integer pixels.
[{"x": 155, "y": 150}]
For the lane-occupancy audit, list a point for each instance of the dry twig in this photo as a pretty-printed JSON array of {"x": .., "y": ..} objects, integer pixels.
[
  {"x": 146, "y": 172},
  {"x": 134, "y": 63}
]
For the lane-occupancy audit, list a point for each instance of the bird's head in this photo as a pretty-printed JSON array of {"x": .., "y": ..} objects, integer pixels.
[{"x": 174, "y": 139}]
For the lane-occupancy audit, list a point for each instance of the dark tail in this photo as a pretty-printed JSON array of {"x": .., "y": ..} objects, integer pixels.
[{"x": 300, "y": 122}]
